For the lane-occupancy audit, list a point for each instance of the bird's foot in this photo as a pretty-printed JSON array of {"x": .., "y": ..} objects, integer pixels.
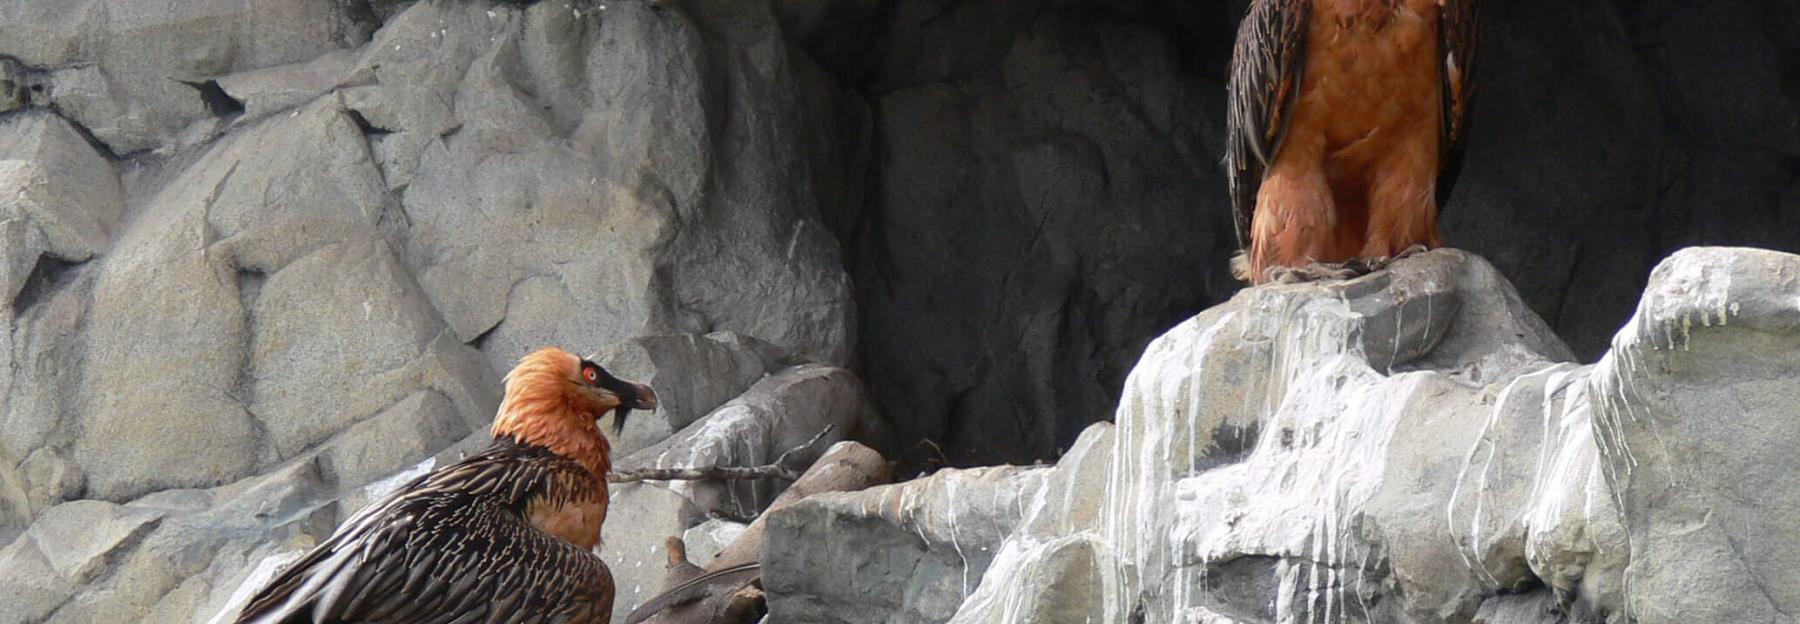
[
  {"x": 1377, "y": 263},
  {"x": 1313, "y": 272}
]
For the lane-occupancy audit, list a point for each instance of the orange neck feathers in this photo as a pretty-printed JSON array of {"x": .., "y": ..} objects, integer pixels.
[{"x": 544, "y": 406}]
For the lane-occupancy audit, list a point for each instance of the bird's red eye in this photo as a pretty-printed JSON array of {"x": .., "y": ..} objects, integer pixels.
[{"x": 592, "y": 374}]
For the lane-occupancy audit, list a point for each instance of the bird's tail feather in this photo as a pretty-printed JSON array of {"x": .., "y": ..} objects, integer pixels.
[
  {"x": 691, "y": 590},
  {"x": 294, "y": 599}
]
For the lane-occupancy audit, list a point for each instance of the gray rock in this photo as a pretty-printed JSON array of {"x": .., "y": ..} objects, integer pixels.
[
  {"x": 199, "y": 256},
  {"x": 15, "y": 501},
  {"x": 58, "y": 196},
  {"x": 702, "y": 373},
  {"x": 1419, "y": 451},
  {"x": 34, "y": 590},
  {"x": 42, "y": 386},
  {"x": 705, "y": 540},
  {"x": 1694, "y": 419},
  {"x": 163, "y": 367},
  {"x": 1537, "y": 607},
  {"x": 1068, "y": 583},
  {"x": 52, "y": 478},
  {"x": 1055, "y": 546},
  {"x": 780, "y": 413},
  {"x": 60, "y": 202},
  {"x": 1048, "y": 200},
  {"x": 1397, "y": 441},
  {"x": 309, "y": 376},
  {"x": 909, "y": 552},
  {"x": 206, "y": 541},
  {"x": 77, "y": 537},
  {"x": 266, "y": 91},
  {"x": 639, "y": 518},
  {"x": 417, "y": 426},
  {"x": 538, "y": 213},
  {"x": 15, "y": 85},
  {"x": 135, "y": 73}
]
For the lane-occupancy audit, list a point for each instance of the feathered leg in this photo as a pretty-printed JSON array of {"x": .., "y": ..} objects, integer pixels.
[
  {"x": 1402, "y": 203},
  {"x": 1295, "y": 217}
]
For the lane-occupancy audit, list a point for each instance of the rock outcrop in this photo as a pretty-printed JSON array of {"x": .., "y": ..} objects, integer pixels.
[
  {"x": 1410, "y": 446},
  {"x": 260, "y": 256},
  {"x": 294, "y": 243}
]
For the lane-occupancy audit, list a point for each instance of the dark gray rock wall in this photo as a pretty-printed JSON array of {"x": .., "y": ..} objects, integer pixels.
[
  {"x": 1042, "y": 195},
  {"x": 985, "y": 208},
  {"x": 1023, "y": 191}
]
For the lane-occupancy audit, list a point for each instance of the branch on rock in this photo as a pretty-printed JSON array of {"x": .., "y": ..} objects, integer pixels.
[{"x": 781, "y": 468}]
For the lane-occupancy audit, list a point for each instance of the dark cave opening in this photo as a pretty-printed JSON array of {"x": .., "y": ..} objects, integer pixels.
[{"x": 1027, "y": 192}]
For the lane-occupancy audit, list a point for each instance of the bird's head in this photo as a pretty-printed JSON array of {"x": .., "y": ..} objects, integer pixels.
[{"x": 553, "y": 393}]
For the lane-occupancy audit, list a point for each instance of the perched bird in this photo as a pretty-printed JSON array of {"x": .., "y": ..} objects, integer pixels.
[
  {"x": 1345, "y": 124},
  {"x": 505, "y": 535}
]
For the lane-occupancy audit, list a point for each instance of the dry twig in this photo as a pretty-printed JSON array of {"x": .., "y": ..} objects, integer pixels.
[{"x": 779, "y": 469}]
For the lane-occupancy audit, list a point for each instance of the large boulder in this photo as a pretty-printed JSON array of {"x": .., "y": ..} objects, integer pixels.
[
  {"x": 1694, "y": 416},
  {"x": 243, "y": 236},
  {"x": 802, "y": 409},
  {"x": 913, "y": 552},
  {"x": 60, "y": 203},
  {"x": 139, "y": 75},
  {"x": 1409, "y": 446},
  {"x": 1351, "y": 451},
  {"x": 246, "y": 239},
  {"x": 692, "y": 375},
  {"x": 908, "y": 552},
  {"x": 561, "y": 183}
]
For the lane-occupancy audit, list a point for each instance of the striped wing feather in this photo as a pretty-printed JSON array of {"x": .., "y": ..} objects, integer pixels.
[
  {"x": 450, "y": 546},
  {"x": 1266, "y": 67},
  {"x": 1459, "y": 30}
]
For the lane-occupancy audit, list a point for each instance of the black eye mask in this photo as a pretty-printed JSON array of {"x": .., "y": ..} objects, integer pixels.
[{"x": 627, "y": 393}]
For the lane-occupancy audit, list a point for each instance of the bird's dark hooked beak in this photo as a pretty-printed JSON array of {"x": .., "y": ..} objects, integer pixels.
[{"x": 640, "y": 397}]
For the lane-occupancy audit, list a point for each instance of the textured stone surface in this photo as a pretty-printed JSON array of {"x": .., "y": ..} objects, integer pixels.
[
  {"x": 127, "y": 69},
  {"x": 240, "y": 237},
  {"x": 782, "y": 412},
  {"x": 692, "y": 375},
  {"x": 1037, "y": 217},
  {"x": 705, "y": 540},
  {"x": 387, "y": 442},
  {"x": 1414, "y": 446},
  {"x": 1394, "y": 441},
  {"x": 640, "y": 518},
  {"x": 59, "y": 197},
  {"x": 1694, "y": 419},
  {"x": 246, "y": 239},
  {"x": 1076, "y": 144},
  {"x": 909, "y": 552}
]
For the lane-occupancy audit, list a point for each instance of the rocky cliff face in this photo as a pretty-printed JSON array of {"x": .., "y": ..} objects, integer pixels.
[
  {"x": 260, "y": 256},
  {"x": 1411, "y": 446}
]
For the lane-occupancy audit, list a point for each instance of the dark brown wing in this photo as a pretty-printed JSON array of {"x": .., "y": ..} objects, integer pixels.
[
  {"x": 1459, "y": 30},
  {"x": 1266, "y": 68},
  {"x": 451, "y": 546}
]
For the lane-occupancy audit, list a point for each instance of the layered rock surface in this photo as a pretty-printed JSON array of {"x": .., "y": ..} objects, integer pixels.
[
  {"x": 258, "y": 256},
  {"x": 261, "y": 254},
  {"x": 1410, "y": 446}
]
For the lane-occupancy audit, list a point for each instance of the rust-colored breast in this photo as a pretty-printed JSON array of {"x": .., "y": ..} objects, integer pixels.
[
  {"x": 577, "y": 522},
  {"x": 572, "y": 508}
]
